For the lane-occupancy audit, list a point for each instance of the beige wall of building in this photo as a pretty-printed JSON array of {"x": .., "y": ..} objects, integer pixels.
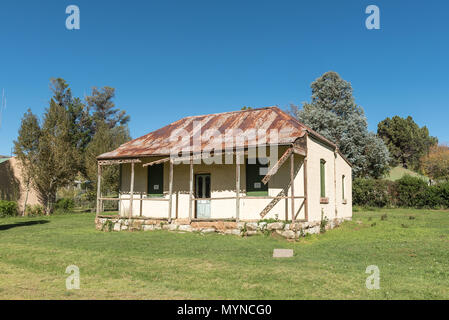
[
  {"x": 223, "y": 185},
  {"x": 12, "y": 186}
]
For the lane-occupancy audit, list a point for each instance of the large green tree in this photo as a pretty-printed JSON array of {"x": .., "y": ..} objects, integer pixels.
[
  {"x": 71, "y": 137},
  {"x": 104, "y": 140},
  {"x": 26, "y": 148},
  {"x": 103, "y": 108},
  {"x": 46, "y": 153},
  {"x": 406, "y": 141},
  {"x": 334, "y": 114}
]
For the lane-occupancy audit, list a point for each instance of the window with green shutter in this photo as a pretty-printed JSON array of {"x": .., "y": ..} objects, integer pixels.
[
  {"x": 156, "y": 180},
  {"x": 323, "y": 178},
  {"x": 255, "y": 171}
]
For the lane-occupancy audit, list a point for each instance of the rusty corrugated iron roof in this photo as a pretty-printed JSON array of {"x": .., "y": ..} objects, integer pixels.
[{"x": 238, "y": 126}]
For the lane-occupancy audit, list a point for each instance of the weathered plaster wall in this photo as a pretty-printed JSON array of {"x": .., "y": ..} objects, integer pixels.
[{"x": 223, "y": 185}]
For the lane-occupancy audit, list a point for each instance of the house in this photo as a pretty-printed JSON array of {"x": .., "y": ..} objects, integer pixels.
[
  {"x": 228, "y": 171},
  {"x": 12, "y": 186}
]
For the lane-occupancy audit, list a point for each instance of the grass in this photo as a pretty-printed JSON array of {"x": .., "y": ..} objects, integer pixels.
[
  {"x": 397, "y": 173},
  {"x": 410, "y": 247}
]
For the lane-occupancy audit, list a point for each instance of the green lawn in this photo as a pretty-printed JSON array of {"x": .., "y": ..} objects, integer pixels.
[{"x": 412, "y": 255}]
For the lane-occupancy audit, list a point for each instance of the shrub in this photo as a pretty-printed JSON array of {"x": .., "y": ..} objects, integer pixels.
[
  {"x": 412, "y": 192},
  {"x": 35, "y": 210},
  {"x": 8, "y": 208},
  {"x": 65, "y": 204},
  {"x": 371, "y": 192}
]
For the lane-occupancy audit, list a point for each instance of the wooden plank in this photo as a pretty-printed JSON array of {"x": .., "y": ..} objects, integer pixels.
[
  {"x": 306, "y": 203},
  {"x": 237, "y": 188},
  {"x": 155, "y": 199},
  {"x": 141, "y": 205},
  {"x": 191, "y": 189},
  {"x": 292, "y": 182},
  {"x": 131, "y": 191},
  {"x": 118, "y": 161},
  {"x": 299, "y": 151},
  {"x": 279, "y": 197},
  {"x": 156, "y": 162},
  {"x": 177, "y": 204},
  {"x": 278, "y": 164},
  {"x": 249, "y": 198},
  {"x": 98, "y": 190},
  {"x": 299, "y": 210},
  {"x": 170, "y": 191}
]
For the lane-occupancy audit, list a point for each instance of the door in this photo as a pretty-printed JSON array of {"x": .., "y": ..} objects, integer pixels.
[{"x": 202, "y": 191}]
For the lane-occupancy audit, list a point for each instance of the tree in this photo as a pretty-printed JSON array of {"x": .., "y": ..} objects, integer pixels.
[
  {"x": 334, "y": 114},
  {"x": 436, "y": 163},
  {"x": 406, "y": 141},
  {"x": 104, "y": 140},
  {"x": 57, "y": 159},
  {"x": 104, "y": 111},
  {"x": 26, "y": 148},
  {"x": 79, "y": 117}
]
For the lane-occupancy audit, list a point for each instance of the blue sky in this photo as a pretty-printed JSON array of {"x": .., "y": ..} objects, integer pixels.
[{"x": 169, "y": 59}]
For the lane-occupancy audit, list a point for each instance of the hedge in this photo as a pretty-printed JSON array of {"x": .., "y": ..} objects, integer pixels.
[
  {"x": 406, "y": 192},
  {"x": 8, "y": 208}
]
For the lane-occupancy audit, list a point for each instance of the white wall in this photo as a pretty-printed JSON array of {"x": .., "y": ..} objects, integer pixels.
[{"x": 223, "y": 185}]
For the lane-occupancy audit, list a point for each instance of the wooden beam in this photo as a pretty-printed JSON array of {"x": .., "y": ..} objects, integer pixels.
[
  {"x": 299, "y": 151},
  {"x": 281, "y": 195},
  {"x": 237, "y": 187},
  {"x": 170, "y": 191},
  {"x": 191, "y": 189},
  {"x": 278, "y": 164},
  {"x": 156, "y": 162},
  {"x": 131, "y": 193},
  {"x": 292, "y": 179},
  {"x": 98, "y": 190},
  {"x": 177, "y": 204},
  {"x": 306, "y": 206},
  {"x": 299, "y": 210},
  {"x": 118, "y": 161},
  {"x": 141, "y": 205}
]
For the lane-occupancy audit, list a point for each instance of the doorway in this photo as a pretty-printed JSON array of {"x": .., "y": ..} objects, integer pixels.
[{"x": 202, "y": 192}]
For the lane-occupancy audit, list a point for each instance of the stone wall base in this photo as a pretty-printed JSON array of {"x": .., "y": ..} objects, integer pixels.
[{"x": 286, "y": 230}]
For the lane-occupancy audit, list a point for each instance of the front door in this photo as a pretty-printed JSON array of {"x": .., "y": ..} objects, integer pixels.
[{"x": 202, "y": 192}]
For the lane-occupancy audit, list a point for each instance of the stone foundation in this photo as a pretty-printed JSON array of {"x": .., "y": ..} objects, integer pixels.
[{"x": 286, "y": 230}]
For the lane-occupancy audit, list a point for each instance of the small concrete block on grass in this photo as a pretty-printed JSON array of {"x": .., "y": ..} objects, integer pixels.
[{"x": 282, "y": 253}]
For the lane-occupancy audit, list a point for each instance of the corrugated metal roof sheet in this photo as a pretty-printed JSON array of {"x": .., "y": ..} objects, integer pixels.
[{"x": 239, "y": 123}]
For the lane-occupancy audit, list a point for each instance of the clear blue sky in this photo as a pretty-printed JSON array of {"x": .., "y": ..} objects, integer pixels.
[{"x": 169, "y": 59}]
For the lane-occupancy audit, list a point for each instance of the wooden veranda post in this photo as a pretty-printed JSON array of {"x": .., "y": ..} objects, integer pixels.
[
  {"x": 237, "y": 187},
  {"x": 170, "y": 191},
  {"x": 99, "y": 204},
  {"x": 131, "y": 191},
  {"x": 191, "y": 190},
  {"x": 306, "y": 211},
  {"x": 292, "y": 179}
]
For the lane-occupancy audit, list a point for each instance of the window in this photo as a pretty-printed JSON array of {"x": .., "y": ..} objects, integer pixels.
[
  {"x": 254, "y": 175},
  {"x": 323, "y": 178},
  {"x": 343, "y": 187},
  {"x": 156, "y": 180}
]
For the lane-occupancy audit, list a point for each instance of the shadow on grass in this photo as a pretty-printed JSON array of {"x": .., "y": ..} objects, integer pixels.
[{"x": 22, "y": 224}]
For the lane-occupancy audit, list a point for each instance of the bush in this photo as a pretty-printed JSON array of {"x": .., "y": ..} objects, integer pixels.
[
  {"x": 412, "y": 192},
  {"x": 8, "y": 208},
  {"x": 35, "y": 210},
  {"x": 65, "y": 204},
  {"x": 371, "y": 192}
]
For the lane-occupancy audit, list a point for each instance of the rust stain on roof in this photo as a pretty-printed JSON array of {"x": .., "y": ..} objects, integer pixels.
[{"x": 239, "y": 127}]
